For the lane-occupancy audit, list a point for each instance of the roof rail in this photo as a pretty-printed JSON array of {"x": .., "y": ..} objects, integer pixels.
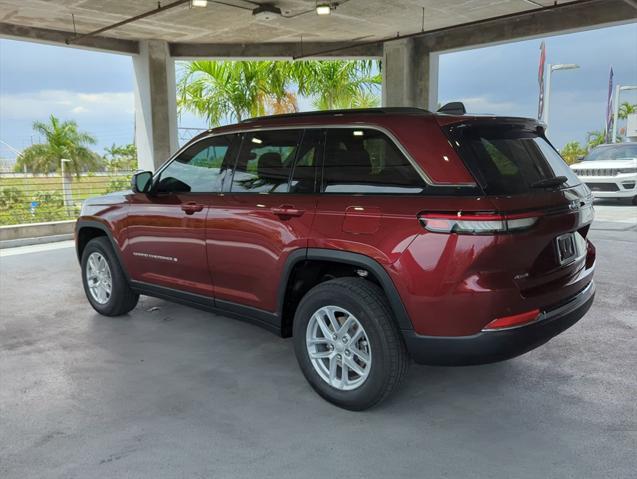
[{"x": 351, "y": 111}]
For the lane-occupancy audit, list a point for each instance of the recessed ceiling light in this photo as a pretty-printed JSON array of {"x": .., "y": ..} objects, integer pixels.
[
  {"x": 198, "y": 3},
  {"x": 323, "y": 9}
]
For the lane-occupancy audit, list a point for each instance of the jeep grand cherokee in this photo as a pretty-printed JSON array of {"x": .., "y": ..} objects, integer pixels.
[{"x": 369, "y": 236}]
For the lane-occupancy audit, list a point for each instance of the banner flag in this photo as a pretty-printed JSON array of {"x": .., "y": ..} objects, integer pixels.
[
  {"x": 540, "y": 79},
  {"x": 609, "y": 109}
]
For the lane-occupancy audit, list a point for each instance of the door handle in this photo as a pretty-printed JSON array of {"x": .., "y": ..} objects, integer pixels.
[
  {"x": 191, "y": 207},
  {"x": 287, "y": 210}
]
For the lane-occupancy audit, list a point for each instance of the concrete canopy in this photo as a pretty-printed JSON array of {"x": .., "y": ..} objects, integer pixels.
[
  {"x": 231, "y": 22},
  {"x": 222, "y": 23}
]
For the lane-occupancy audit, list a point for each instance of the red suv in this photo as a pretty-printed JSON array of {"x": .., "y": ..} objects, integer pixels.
[{"x": 369, "y": 236}]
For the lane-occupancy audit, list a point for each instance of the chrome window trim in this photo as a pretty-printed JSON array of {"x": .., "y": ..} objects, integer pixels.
[{"x": 240, "y": 130}]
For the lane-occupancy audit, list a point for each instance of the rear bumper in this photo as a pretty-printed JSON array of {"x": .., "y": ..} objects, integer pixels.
[{"x": 492, "y": 346}]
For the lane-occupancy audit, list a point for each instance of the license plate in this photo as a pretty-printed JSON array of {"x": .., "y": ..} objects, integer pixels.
[{"x": 566, "y": 248}]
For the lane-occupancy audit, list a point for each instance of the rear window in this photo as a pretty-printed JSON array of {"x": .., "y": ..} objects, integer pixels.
[{"x": 509, "y": 159}]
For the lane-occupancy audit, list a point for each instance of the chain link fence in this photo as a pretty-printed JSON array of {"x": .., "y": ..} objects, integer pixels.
[{"x": 29, "y": 198}]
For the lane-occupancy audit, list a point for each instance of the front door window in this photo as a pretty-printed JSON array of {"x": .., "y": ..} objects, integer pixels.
[{"x": 202, "y": 168}]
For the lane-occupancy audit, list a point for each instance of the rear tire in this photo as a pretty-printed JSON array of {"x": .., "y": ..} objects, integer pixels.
[
  {"x": 364, "y": 341},
  {"x": 104, "y": 282}
]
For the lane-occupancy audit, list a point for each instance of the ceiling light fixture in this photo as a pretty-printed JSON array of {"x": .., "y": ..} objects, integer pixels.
[
  {"x": 323, "y": 8},
  {"x": 198, "y": 3},
  {"x": 266, "y": 11}
]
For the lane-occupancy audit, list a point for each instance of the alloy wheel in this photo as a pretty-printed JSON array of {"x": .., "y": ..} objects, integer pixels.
[
  {"x": 99, "y": 278},
  {"x": 338, "y": 348}
]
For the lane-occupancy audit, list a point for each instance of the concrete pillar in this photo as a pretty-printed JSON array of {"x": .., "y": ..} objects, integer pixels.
[
  {"x": 410, "y": 74},
  {"x": 155, "y": 104}
]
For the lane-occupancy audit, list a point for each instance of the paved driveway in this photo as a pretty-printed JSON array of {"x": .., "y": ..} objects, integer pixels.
[{"x": 170, "y": 391}]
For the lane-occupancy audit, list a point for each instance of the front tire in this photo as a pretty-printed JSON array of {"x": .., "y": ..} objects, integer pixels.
[
  {"x": 347, "y": 343},
  {"x": 104, "y": 281}
]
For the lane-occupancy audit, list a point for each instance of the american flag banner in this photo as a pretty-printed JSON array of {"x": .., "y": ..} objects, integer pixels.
[
  {"x": 540, "y": 79},
  {"x": 609, "y": 109}
]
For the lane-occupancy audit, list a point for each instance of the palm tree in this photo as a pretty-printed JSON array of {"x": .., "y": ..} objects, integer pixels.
[
  {"x": 121, "y": 158},
  {"x": 232, "y": 89},
  {"x": 62, "y": 140},
  {"x": 236, "y": 90},
  {"x": 572, "y": 152},
  {"x": 288, "y": 103},
  {"x": 595, "y": 138},
  {"x": 365, "y": 99},
  {"x": 338, "y": 84},
  {"x": 626, "y": 109}
]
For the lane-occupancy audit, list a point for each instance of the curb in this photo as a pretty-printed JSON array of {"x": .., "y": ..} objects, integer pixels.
[{"x": 14, "y": 243}]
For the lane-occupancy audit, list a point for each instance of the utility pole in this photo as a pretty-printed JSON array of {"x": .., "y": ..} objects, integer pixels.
[{"x": 547, "y": 97}]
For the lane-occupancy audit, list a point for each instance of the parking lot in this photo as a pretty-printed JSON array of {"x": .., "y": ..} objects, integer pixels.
[{"x": 170, "y": 391}]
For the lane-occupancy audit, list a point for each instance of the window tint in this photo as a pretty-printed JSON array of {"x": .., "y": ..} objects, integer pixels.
[
  {"x": 509, "y": 159},
  {"x": 366, "y": 161},
  {"x": 265, "y": 161},
  {"x": 202, "y": 168},
  {"x": 307, "y": 161}
]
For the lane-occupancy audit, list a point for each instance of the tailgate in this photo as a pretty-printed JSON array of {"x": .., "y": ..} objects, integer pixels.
[{"x": 521, "y": 173}]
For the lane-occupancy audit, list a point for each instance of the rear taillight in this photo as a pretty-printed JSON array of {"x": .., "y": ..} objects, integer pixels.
[{"x": 480, "y": 223}]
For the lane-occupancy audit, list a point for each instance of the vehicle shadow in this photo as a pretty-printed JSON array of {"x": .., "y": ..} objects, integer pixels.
[{"x": 195, "y": 359}]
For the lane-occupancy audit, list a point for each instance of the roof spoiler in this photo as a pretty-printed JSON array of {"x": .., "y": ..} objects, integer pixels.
[{"x": 453, "y": 108}]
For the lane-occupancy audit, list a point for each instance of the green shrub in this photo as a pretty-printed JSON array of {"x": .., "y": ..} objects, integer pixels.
[
  {"x": 118, "y": 184},
  {"x": 10, "y": 196}
]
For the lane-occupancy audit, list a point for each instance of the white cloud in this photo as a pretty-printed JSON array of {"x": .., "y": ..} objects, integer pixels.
[{"x": 66, "y": 104}]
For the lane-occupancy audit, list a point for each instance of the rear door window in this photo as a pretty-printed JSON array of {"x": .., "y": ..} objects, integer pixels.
[
  {"x": 265, "y": 161},
  {"x": 363, "y": 160},
  {"x": 509, "y": 159}
]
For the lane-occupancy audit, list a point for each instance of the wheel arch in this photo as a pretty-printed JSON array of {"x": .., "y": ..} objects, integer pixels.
[
  {"x": 86, "y": 230},
  {"x": 345, "y": 259}
]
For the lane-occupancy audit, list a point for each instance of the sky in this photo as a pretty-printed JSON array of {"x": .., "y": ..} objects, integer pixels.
[
  {"x": 503, "y": 79},
  {"x": 96, "y": 89}
]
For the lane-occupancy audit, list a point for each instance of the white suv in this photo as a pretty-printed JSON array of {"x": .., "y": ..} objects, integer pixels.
[{"x": 610, "y": 171}]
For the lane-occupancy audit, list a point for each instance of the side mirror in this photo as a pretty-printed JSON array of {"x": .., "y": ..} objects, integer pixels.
[{"x": 141, "y": 181}]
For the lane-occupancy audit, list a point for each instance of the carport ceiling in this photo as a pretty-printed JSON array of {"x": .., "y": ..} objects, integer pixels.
[{"x": 232, "y": 21}]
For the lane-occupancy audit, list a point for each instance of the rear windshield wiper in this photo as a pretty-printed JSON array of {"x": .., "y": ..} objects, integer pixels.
[{"x": 550, "y": 182}]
